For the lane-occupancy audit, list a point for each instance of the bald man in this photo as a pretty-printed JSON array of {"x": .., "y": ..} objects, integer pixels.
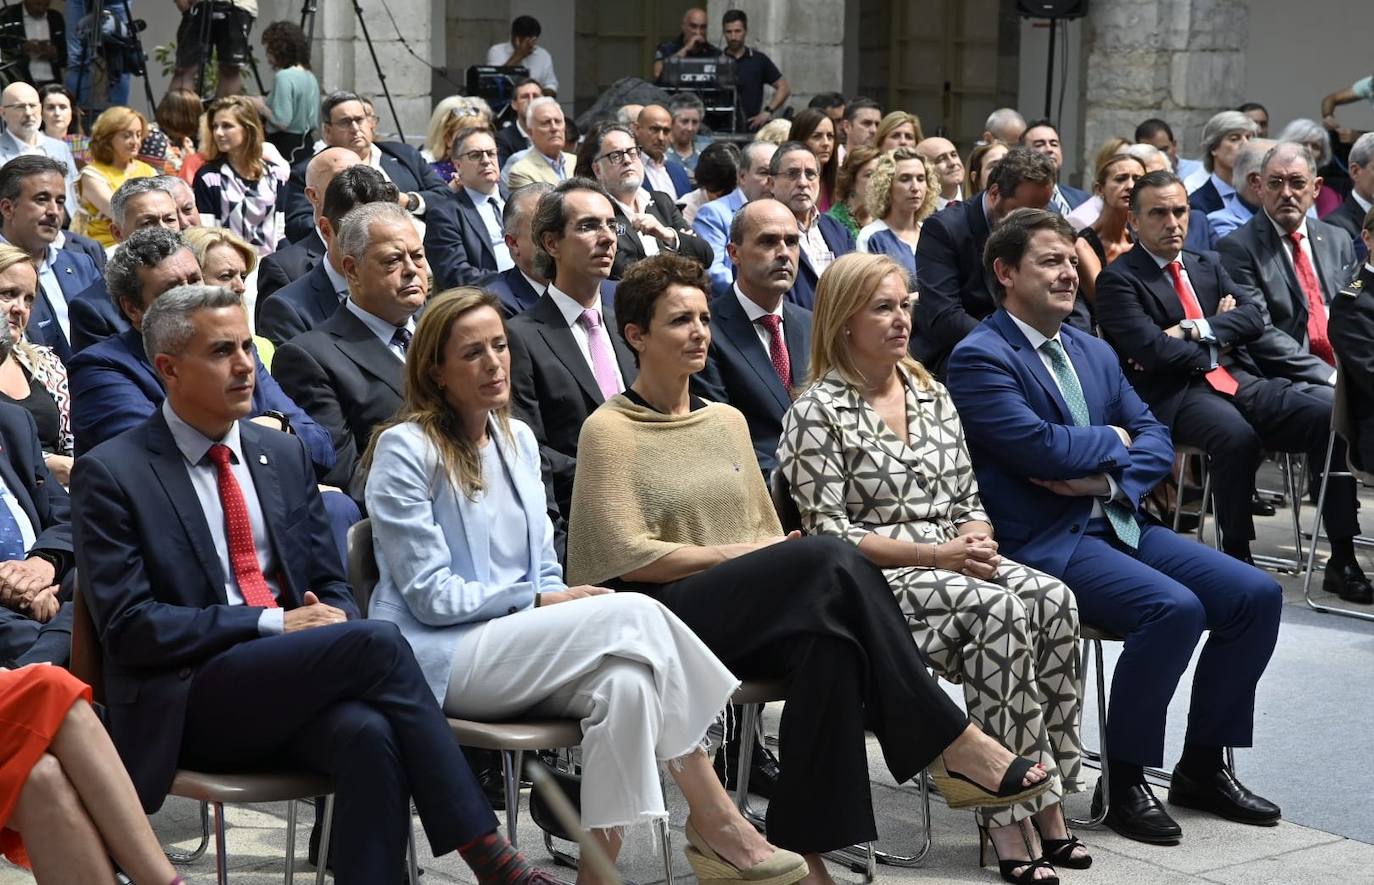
[
  {"x": 23, "y": 115},
  {"x": 295, "y": 261},
  {"x": 691, "y": 43},
  {"x": 949, "y": 169},
  {"x": 653, "y": 131}
]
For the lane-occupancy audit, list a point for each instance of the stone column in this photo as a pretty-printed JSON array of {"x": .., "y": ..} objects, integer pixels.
[
  {"x": 804, "y": 38},
  {"x": 1181, "y": 60}
]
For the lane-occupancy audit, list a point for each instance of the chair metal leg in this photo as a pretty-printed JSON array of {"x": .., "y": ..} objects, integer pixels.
[
  {"x": 665, "y": 837},
  {"x": 412, "y": 861},
  {"x": 562, "y": 858},
  {"x": 1096, "y": 820},
  {"x": 510, "y": 769},
  {"x": 290, "y": 842},
  {"x": 1309, "y": 572},
  {"x": 221, "y": 853},
  {"x": 748, "y": 729},
  {"x": 326, "y": 828},
  {"x": 178, "y": 857}
]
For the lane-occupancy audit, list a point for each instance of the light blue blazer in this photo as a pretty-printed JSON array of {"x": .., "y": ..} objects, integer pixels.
[
  {"x": 433, "y": 545},
  {"x": 712, "y": 224}
]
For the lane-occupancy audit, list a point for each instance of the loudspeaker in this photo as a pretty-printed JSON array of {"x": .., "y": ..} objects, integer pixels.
[{"x": 1052, "y": 8}]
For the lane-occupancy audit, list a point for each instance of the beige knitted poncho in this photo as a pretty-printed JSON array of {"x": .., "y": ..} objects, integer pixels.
[{"x": 649, "y": 483}]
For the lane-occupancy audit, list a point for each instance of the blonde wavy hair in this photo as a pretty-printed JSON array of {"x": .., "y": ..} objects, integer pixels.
[
  {"x": 777, "y": 132},
  {"x": 894, "y": 120},
  {"x": 845, "y": 288},
  {"x": 424, "y": 402},
  {"x": 878, "y": 200},
  {"x": 202, "y": 239}
]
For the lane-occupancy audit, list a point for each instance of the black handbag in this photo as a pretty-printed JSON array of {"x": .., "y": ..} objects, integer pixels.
[{"x": 571, "y": 785}]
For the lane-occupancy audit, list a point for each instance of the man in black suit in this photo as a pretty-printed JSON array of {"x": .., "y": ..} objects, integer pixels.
[
  {"x": 230, "y": 637},
  {"x": 1352, "y": 328},
  {"x": 1293, "y": 266},
  {"x": 567, "y": 357},
  {"x": 760, "y": 342},
  {"x": 348, "y": 372},
  {"x": 1349, "y": 217},
  {"x": 955, "y": 296},
  {"x": 1181, "y": 326},
  {"x": 473, "y": 244},
  {"x": 36, "y": 62},
  {"x": 347, "y": 120},
  {"x": 650, "y": 222},
  {"x": 315, "y": 297},
  {"x": 287, "y": 265},
  {"x": 512, "y": 138},
  {"x": 519, "y": 287},
  {"x": 797, "y": 185}
]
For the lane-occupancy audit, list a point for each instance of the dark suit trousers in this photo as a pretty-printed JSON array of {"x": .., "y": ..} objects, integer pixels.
[
  {"x": 1161, "y": 597},
  {"x": 815, "y": 612},
  {"x": 1270, "y": 413},
  {"x": 25, "y": 641},
  {"x": 347, "y": 700}
]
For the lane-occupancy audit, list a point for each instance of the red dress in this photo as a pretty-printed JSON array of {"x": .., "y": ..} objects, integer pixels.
[{"x": 34, "y": 701}]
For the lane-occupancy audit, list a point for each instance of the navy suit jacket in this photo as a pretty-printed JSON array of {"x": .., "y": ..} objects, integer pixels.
[
  {"x": 1258, "y": 262},
  {"x": 949, "y": 276},
  {"x": 299, "y": 307},
  {"x": 1018, "y": 427},
  {"x": 114, "y": 388},
  {"x": 1199, "y": 237},
  {"x": 515, "y": 292},
  {"x": 456, "y": 242},
  {"x": 1206, "y": 198},
  {"x": 401, "y": 163},
  {"x": 1073, "y": 196},
  {"x": 155, "y": 586},
  {"x": 78, "y": 277},
  {"x": 285, "y": 266},
  {"x": 25, "y": 474},
  {"x": 94, "y": 317},
  {"x": 1349, "y": 217},
  {"x": 840, "y": 241},
  {"x": 740, "y": 372},
  {"x": 509, "y": 141},
  {"x": 1136, "y": 303},
  {"x": 73, "y": 242}
]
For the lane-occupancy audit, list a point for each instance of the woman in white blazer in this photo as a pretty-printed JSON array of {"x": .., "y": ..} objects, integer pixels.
[{"x": 468, "y": 572}]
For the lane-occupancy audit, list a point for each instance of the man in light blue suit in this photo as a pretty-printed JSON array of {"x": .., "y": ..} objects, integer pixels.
[
  {"x": 1064, "y": 450},
  {"x": 712, "y": 223}
]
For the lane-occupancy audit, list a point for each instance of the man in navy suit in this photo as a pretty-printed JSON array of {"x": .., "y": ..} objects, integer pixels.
[
  {"x": 713, "y": 219},
  {"x": 32, "y": 201},
  {"x": 520, "y": 286},
  {"x": 474, "y": 245},
  {"x": 1064, "y": 451},
  {"x": 653, "y": 131},
  {"x": 797, "y": 185},
  {"x": 230, "y": 637},
  {"x": 760, "y": 342},
  {"x": 315, "y": 297},
  {"x": 567, "y": 356},
  {"x": 285, "y": 266},
  {"x": 74, "y": 242},
  {"x": 348, "y": 120},
  {"x": 955, "y": 294},
  {"x": 1182, "y": 326},
  {"x": 1042, "y": 136}
]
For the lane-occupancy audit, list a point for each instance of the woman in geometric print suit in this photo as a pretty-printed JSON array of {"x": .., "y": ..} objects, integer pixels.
[{"x": 874, "y": 453}]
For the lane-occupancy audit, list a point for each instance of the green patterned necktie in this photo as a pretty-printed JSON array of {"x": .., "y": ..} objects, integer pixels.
[{"x": 1118, "y": 515}]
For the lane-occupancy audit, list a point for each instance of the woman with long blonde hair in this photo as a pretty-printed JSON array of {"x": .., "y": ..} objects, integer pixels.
[
  {"x": 874, "y": 454},
  {"x": 241, "y": 187}
]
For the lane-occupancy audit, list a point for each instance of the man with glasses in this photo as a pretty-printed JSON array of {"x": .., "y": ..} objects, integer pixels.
[
  {"x": 797, "y": 184},
  {"x": 567, "y": 356},
  {"x": 478, "y": 245},
  {"x": 23, "y": 115},
  {"x": 348, "y": 121},
  {"x": 649, "y": 222},
  {"x": 1294, "y": 265}
]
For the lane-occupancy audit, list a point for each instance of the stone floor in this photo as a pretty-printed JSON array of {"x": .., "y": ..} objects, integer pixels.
[{"x": 1312, "y": 748}]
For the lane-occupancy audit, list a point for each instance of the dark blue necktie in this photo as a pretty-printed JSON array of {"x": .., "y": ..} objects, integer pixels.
[{"x": 11, "y": 539}]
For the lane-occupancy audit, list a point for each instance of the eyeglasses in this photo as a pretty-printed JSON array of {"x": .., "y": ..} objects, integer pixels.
[
  {"x": 477, "y": 156},
  {"x": 350, "y": 122},
  {"x": 794, "y": 174},
  {"x": 615, "y": 158},
  {"x": 23, "y": 106},
  {"x": 1297, "y": 184},
  {"x": 591, "y": 226}
]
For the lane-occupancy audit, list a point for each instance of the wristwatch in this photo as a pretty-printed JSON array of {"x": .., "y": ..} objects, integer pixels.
[
  {"x": 1189, "y": 328},
  {"x": 282, "y": 417}
]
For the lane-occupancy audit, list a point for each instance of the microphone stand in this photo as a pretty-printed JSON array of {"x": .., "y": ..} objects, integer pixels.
[{"x": 381, "y": 77}]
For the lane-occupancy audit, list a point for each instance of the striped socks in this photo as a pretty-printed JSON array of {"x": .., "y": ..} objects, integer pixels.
[{"x": 496, "y": 862}]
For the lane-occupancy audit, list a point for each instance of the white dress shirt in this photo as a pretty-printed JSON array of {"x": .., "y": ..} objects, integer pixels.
[
  {"x": 571, "y": 311},
  {"x": 36, "y": 28},
  {"x": 814, "y": 245},
  {"x": 194, "y": 447},
  {"x": 539, "y": 63},
  {"x": 374, "y": 160},
  {"x": 656, "y": 174},
  {"x": 756, "y": 313},
  {"x": 381, "y": 328},
  {"x": 491, "y": 217}
]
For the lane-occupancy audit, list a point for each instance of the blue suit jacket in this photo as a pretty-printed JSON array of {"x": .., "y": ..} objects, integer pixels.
[
  {"x": 1199, "y": 237},
  {"x": 94, "y": 317},
  {"x": 840, "y": 241},
  {"x": 78, "y": 277},
  {"x": 73, "y": 242},
  {"x": 515, "y": 292},
  {"x": 115, "y": 388},
  {"x": 456, "y": 242},
  {"x": 740, "y": 372},
  {"x": 1073, "y": 196},
  {"x": 1206, "y": 198},
  {"x": 712, "y": 224},
  {"x": 1018, "y": 427},
  {"x": 155, "y": 585},
  {"x": 26, "y": 475},
  {"x": 298, "y": 307},
  {"x": 434, "y": 545},
  {"x": 682, "y": 179}
]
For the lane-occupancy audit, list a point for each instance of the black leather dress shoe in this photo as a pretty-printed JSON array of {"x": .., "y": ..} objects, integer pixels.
[
  {"x": 1260, "y": 507},
  {"x": 1223, "y": 796},
  {"x": 763, "y": 769},
  {"x": 1347, "y": 580},
  {"x": 1139, "y": 815}
]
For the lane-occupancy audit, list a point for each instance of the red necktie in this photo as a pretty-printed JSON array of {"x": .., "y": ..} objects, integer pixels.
[
  {"x": 1317, "y": 340},
  {"x": 1221, "y": 380},
  {"x": 777, "y": 349},
  {"x": 243, "y": 553}
]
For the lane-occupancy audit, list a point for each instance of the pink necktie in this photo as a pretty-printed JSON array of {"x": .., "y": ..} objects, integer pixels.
[{"x": 603, "y": 357}]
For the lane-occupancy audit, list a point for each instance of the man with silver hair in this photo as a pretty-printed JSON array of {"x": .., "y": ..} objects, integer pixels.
[
  {"x": 713, "y": 219},
  {"x": 1297, "y": 264},
  {"x": 1249, "y": 190},
  {"x": 1005, "y": 125},
  {"x": 348, "y": 372},
  {"x": 188, "y": 214},
  {"x": 650, "y": 222},
  {"x": 1350, "y": 216},
  {"x": 1221, "y": 139},
  {"x": 545, "y": 160}
]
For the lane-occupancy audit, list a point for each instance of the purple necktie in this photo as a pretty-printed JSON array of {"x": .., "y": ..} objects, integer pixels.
[{"x": 603, "y": 358}]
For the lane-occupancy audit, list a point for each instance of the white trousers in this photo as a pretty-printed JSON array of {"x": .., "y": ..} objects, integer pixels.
[{"x": 644, "y": 687}]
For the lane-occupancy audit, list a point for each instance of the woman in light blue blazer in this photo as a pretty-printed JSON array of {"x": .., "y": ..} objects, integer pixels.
[{"x": 468, "y": 572}]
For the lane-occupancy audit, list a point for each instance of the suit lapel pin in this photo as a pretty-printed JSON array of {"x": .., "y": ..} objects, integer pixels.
[{"x": 262, "y": 459}]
